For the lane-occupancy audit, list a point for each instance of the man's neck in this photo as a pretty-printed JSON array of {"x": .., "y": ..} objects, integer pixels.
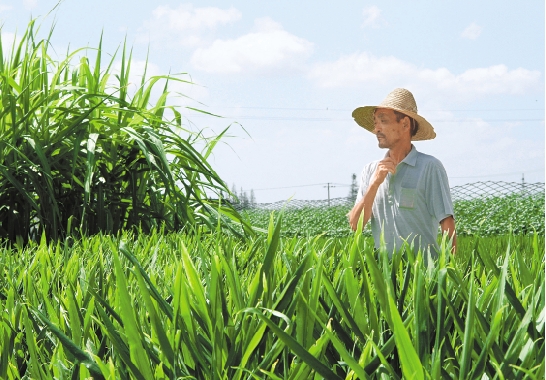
[{"x": 398, "y": 153}]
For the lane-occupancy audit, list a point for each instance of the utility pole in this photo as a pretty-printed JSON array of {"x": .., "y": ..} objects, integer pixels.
[
  {"x": 522, "y": 182},
  {"x": 328, "y": 185}
]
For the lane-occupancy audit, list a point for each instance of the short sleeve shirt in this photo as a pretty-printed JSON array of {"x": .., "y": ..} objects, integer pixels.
[{"x": 409, "y": 204}]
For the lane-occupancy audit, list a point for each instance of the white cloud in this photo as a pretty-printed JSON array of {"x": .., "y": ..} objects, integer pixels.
[
  {"x": 366, "y": 69},
  {"x": 186, "y": 25},
  {"x": 372, "y": 17},
  {"x": 354, "y": 69},
  {"x": 5, "y": 7},
  {"x": 30, "y": 4},
  {"x": 268, "y": 48},
  {"x": 496, "y": 79},
  {"x": 472, "y": 31}
]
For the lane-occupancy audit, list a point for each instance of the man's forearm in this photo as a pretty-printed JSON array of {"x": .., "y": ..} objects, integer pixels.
[
  {"x": 365, "y": 205},
  {"x": 384, "y": 167},
  {"x": 448, "y": 226}
]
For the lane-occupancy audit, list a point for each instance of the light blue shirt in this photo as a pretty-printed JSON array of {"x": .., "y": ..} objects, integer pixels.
[{"x": 410, "y": 204}]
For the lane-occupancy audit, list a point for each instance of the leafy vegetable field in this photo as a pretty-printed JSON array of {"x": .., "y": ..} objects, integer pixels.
[
  {"x": 214, "y": 307},
  {"x": 480, "y": 216},
  {"x": 307, "y": 221}
]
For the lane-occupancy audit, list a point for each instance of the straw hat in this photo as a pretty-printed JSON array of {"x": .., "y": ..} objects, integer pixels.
[{"x": 400, "y": 100}]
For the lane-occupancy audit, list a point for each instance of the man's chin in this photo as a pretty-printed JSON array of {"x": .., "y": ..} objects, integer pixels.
[{"x": 382, "y": 144}]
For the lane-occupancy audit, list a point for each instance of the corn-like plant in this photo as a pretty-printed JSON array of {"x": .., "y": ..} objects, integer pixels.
[
  {"x": 210, "y": 306},
  {"x": 78, "y": 152}
]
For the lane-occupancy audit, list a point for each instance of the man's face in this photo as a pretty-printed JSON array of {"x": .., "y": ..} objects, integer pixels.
[{"x": 388, "y": 130}]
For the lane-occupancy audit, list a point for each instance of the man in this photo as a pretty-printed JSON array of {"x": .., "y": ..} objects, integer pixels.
[{"x": 406, "y": 194}]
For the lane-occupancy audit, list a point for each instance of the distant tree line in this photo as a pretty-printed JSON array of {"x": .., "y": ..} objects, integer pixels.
[{"x": 242, "y": 198}]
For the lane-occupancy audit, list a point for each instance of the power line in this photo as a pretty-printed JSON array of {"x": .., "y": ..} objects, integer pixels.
[
  {"x": 334, "y": 184},
  {"x": 349, "y": 110},
  {"x": 316, "y": 119},
  {"x": 292, "y": 187},
  {"x": 331, "y": 185},
  {"x": 288, "y": 187}
]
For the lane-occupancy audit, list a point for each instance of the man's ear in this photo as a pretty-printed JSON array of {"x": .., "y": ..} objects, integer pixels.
[{"x": 407, "y": 122}]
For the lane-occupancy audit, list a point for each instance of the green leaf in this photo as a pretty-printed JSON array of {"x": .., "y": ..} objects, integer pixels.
[
  {"x": 80, "y": 355},
  {"x": 302, "y": 353},
  {"x": 132, "y": 332},
  {"x": 468, "y": 341},
  {"x": 411, "y": 364}
]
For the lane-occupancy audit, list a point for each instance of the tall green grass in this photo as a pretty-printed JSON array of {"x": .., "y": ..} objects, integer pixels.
[
  {"x": 210, "y": 306},
  {"x": 79, "y": 151}
]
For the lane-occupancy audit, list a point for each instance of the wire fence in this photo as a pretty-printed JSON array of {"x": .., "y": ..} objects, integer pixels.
[
  {"x": 296, "y": 204},
  {"x": 480, "y": 208},
  {"x": 489, "y": 189},
  {"x": 471, "y": 191}
]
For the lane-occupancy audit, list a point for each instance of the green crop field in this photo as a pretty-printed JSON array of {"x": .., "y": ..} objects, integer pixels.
[
  {"x": 480, "y": 216},
  {"x": 116, "y": 265},
  {"x": 211, "y": 306},
  {"x": 307, "y": 221}
]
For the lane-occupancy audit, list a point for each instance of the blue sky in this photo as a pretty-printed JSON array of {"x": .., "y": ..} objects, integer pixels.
[{"x": 290, "y": 74}]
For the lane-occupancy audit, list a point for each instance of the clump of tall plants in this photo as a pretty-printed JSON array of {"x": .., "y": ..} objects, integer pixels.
[{"x": 78, "y": 151}]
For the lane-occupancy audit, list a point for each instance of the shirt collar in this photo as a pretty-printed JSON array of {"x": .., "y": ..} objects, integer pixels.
[{"x": 411, "y": 158}]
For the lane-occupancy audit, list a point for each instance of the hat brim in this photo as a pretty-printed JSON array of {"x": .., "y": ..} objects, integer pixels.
[{"x": 364, "y": 117}]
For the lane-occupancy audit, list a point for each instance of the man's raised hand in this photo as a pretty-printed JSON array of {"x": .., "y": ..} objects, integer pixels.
[{"x": 384, "y": 167}]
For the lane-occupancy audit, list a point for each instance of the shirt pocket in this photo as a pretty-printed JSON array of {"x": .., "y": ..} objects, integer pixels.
[{"x": 407, "y": 197}]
